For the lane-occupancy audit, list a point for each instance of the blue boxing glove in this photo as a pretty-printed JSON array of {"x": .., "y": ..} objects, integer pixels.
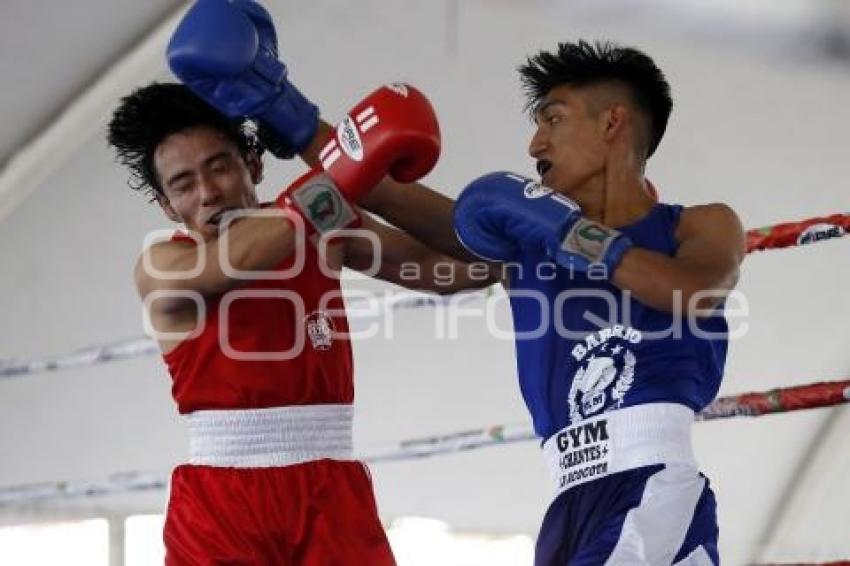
[
  {"x": 226, "y": 52},
  {"x": 499, "y": 215}
]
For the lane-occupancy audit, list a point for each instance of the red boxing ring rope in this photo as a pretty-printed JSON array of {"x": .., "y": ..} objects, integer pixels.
[{"x": 799, "y": 233}]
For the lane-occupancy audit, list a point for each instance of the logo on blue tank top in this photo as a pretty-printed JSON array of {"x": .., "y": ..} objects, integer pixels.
[{"x": 606, "y": 371}]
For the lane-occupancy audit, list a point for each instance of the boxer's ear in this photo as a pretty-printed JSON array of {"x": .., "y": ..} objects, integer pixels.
[
  {"x": 255, "y": 166},
  {"x": 166, "y": 207}
]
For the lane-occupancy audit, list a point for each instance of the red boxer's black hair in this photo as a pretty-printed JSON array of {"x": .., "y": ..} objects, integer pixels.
[{"x": 150, "y": 114}]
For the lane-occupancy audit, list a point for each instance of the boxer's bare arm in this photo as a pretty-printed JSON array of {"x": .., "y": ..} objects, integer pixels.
[
  {"x": 253, "y": 243},
  {"x": 711, "y": 249},
  {"x": 405, "y": 261},
  {"x": 414, "y": 208}
]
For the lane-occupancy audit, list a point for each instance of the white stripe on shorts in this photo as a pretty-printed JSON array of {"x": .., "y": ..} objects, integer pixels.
[{"x": 653, "y": 532}]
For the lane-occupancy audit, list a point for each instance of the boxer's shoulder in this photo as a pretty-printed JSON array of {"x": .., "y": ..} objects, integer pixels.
[{"x": 705, "y": 218}]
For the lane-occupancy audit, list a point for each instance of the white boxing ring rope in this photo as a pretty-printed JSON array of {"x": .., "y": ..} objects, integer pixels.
[{"x": 749, "y": 404}]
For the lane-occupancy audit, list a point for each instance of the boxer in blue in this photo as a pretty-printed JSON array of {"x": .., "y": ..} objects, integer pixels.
[
  {"x": 617, "y": 299},
  {"x": 618, "y": 310}
]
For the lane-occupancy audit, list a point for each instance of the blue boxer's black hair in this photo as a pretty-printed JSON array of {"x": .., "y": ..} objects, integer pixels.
[
  {"x": 582, "y": 64},
  {"x": 150, "y": 114}
]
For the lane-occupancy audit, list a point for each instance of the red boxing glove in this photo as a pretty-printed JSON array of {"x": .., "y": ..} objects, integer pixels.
[
  {"x": 319, "y": 202},
  {"x": 393, "y": 130}
]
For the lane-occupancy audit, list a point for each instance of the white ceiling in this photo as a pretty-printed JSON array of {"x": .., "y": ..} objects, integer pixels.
[
  {"x": 50, "y": 52},
  {"x": 760, "y": 122}
]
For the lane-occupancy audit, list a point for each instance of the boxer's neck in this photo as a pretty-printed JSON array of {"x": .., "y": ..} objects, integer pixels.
[{"x": 614, "y": 198}]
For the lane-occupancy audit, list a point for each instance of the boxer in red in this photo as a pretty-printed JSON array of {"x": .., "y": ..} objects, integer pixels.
[{"x": 252, "y": 326}]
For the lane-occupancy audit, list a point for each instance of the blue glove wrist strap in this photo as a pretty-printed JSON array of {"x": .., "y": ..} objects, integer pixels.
[{"x": 593, "y": 243}]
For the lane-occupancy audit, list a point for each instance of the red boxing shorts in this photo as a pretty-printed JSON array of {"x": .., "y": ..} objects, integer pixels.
[
  {"x": 318, "y": 513},
  {"x": 273, "y": 487}
]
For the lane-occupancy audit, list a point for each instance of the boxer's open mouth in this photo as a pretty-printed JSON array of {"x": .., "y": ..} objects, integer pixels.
[
  {"x": 543, "y": 165},
  {"x": 215, "y": 219}
]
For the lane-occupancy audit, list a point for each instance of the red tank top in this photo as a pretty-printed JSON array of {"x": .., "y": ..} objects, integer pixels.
[{"x": 319, "y": 365}]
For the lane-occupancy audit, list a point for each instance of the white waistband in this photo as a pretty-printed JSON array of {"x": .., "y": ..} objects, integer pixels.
[
  {"x": 279, "y": 436},
  {"x": 656, "y": 433}
]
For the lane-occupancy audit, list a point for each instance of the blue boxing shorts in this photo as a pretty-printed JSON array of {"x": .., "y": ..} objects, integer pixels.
[{"x": 628, "y": 493}]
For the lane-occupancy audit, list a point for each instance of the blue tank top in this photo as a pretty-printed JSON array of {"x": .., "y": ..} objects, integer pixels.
[{"x": 585, "y": 347}]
